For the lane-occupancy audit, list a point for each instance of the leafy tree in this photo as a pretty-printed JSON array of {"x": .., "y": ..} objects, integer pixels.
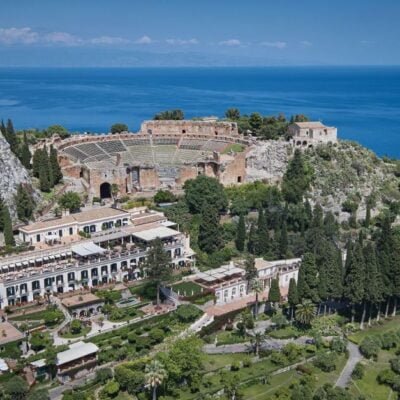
[
  {"x": 16, "y": 388},
  {"x": 118, "y": 128},
  {"x": 241, "y": 234},
  {"x": 204, "y": 191},
  {"x": 164, "y": 196},
  {"x": 232, "y": 113},
  {"x": 187, "y": 313},
  {"x": 7, "y": 227},
  {"x": 157, "y": 264},
  {"x": 39, "y": 394},
  {"x": 209, "y": 230},
  {"x": 274, "y": 294},
  {"x": 307, "y": 284},
  {"x": 57, "y": 130},
  {"x": 110, "y": 389},
  {"x": 255, "y": 122},
  {"x": 70, "y": 201},
  {"x": 325, "y": 362},
  {"x": 25, "y": 203},
  {"x": 75, "y": 326},
  {"x": 293, "y": 297},
  {"x": 176, "y": 115},
  {"x": 370, "y": 346},
  {"x": 297, "y": 179},
  {"x": 103, "y": 375}
]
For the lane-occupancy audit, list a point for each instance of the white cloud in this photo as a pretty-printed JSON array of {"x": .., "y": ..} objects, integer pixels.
[
  {"x": 182, "y": 42},
  {"x": 18, "y": 35},
  {"x": 144, "y": 40},
  {"x": 306, "y": 43},
  {"x": 109, "y": 40},
  {"x": 277, "y": 45},
  {"x": 63, "y": 38},
  {"x": 230, "y": 42}
]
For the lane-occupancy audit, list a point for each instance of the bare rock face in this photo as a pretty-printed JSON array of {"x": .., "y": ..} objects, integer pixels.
[
  {"x": 12, "y": 173},
  {"x": 267, "y": 161}
]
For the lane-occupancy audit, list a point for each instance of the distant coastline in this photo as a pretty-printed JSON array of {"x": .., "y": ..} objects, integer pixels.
[{"x": 362, "y": 101}]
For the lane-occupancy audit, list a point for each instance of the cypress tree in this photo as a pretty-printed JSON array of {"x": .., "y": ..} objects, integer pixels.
[
  {"x": 25, "y": 155},
  {"x": 274, "y": 294},
  {"x": 11, "y": 136},
  {"x": 354, "y": 282},
  {"x": 250, "y": 271},
  {"x": 373, "y": 288},
  {"x": 367, "y": 215},
  {"x": 3, "y": 128},
  {"x": 262, "y": 243},
  {"x": 283, "y": 241},
  {"x": 293, "y": 296},
  {"x": 44, "y": 178},
  {"x": 240, "y": 234},
  {"x": 251, "y": 243},
  {"x": 7, "y": 227},
  {"x": 25, "y": 203},
  {"x": 1, "y": 215},
  {"x": 307, "y": 284},
  {"x": 36, "y": 162},
  {"x": 395, "y": 270},
  {"x": 55, "y": 167},
  {"x": 209, "y": 230}
]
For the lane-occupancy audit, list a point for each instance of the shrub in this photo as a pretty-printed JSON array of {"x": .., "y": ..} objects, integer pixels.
[
  {"x": 338, "y": 345},
  {"x": 132, "y": 337},
  {"x": 370, "y": 346},
  {"x": 110, "y": 390},
  {"x": 235, "y": 366},
  {"x": 325, "y": 362},
  {"x": 358, "y": 371},
  {"x": 386, "y": 376},
  {"x": 156, "y": 335},
  {"x": 278, "y": 358},
  {"x": 389, "y": 340},
  {"x": 395, "y": 365},
  {"x": 187, "y": 313},
  {"x": 103, "y": 375}
]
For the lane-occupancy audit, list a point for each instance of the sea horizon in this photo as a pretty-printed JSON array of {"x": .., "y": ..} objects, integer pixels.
[{"x": 362, "y": 101}]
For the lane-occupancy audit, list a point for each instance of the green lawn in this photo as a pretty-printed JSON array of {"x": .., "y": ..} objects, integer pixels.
[
  {"x": 213, "y": 362},
  {"x": 187, "y": 288},
  {"x": 377, "y": 329},
  {"x": 368, "y": 385},
  {"x": 35, "y": 316},
  {"x": 69, "y": 335},
  {"x": 285, "y": 333}
]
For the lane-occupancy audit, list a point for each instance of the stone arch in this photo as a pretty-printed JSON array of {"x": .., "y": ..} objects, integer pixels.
[
  {"x": 304, "y": 143},
  {"x": 105, "y": 190},
  {"x": 298, "y": 143}
]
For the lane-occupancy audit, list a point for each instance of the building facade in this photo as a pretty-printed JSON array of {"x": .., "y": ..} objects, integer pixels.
[{"x": 310, "y": 134}]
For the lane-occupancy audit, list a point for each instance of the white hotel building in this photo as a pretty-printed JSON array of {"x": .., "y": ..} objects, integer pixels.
[{"x": 64, "y": 261}]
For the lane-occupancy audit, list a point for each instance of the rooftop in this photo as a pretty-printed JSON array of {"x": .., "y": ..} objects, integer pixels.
[
  {"x": 161, "y": 232},
  {"x": 224, "y": 272},
  {"x": 310, "y": 124},
  {"x": 9, "y": 333},
  {"x": 76, "y": 351},
  {"x": 80, "y": 300},
  {"x": 81, "y": 217},
  {"x": 260, "y": 263}
]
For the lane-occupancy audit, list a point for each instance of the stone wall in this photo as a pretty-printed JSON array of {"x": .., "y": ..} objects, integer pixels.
[{"x": 211, "y": 128}]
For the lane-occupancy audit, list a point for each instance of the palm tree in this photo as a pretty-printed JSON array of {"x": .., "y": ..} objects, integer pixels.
[
  {"x": 257, "y": 289},
  {"x": 155, "y": 375},
  {"x": 305, "y": 312},
  {"x": 257, "y": 340}
]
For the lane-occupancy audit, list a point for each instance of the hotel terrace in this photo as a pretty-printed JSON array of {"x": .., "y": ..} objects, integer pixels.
[{"x": 115, "y": 245}]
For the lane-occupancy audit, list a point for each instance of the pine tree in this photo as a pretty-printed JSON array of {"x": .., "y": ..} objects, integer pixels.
[
  {"x": 25, "y": 154},
  {"x": 251, "y": 243},
  {"x": 274, "y": 294},
  {"x": 209, "y": 229},
  {"x": 25, "y": 203},
  {"x": 307, "y": 284},
  {"x": 293, "y": 296},
  {"x": 7, "y": 227},
  {"x": 262, "y": 242},
  {"x": 55, "y": 167},
  {"x": 354, "y": 282},
  {"x": 240, "y": 234}
]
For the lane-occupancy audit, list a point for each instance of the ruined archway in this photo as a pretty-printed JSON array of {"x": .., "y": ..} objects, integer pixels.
[{"x": 105, "y": 190}]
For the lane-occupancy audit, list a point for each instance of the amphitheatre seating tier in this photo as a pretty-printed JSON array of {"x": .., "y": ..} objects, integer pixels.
[
  {"x": 214, "y": 145},
  {"x": 75, "y": 153},
  {"x": 91, "y": 149},
  {"x": 192, "y": 144},
  {"x": 164, "y": 154},
  {"x": 139, "y": 154},
  {"x": 137, "y": 142},
  {"x": 112, "y": 146}
]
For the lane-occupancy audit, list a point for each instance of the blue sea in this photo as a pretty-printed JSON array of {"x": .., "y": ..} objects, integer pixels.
[{"x": 363, "y": 102}]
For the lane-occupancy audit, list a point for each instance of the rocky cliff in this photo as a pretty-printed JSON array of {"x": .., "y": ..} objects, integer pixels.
[{"x": 12, "y": 173}]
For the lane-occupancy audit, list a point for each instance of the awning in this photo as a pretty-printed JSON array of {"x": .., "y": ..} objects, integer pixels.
[
  {"x": 161, "y": 232},
  {"x": 87, "y": 249}
]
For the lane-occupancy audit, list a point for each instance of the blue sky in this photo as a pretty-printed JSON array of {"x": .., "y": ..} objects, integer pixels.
[{"x": 202, "y": 32}]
